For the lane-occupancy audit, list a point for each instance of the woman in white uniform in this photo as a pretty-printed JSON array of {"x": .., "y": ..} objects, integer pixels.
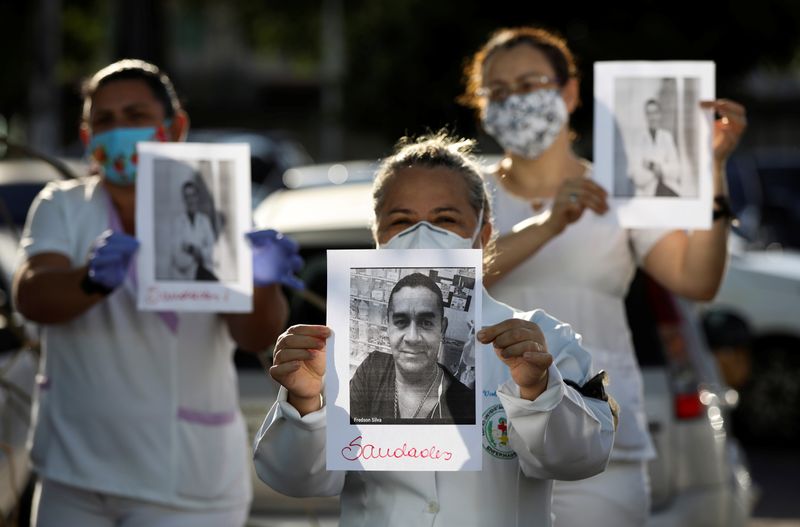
[
  {"x": 556, "y": 250},
  {"x": 430, "y": 195},
  {"x": 137, "y": 420}
]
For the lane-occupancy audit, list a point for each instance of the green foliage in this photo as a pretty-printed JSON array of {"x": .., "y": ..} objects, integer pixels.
[
  {"x": 85, "y": 36},
  {"x": 15, "y": 51},
  {"x": 288, "y": 29},
  {"x": 405, "y": 56}
]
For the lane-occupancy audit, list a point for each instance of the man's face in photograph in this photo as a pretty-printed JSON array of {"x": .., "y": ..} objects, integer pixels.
[{"x": 416, "y": 329}]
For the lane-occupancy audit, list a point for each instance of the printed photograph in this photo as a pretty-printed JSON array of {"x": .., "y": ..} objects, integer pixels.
[
  {"x": 195, "y": 225},
  {"x": 655, "y": 152},
  {"x": 192, "y": 210},
  {"x": 412, "y": 354}
]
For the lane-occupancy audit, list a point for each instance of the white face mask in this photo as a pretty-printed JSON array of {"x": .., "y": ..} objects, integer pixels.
[
  {"x": 527, "y": 124},
  {"x": 424, "y": 235}
]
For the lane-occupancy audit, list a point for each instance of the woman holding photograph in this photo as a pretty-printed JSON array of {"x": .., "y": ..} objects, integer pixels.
[
  {"x": 540, "y": 425},
  {"x": 136, "y": 419},
  {"x": 557, "y": 250}
]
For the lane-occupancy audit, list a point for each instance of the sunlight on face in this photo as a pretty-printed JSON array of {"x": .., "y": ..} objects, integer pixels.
[
  {"x": 438, "y": 195},
  {"x": 509, "y": 69},
  {"x": 128, "y": 103}
]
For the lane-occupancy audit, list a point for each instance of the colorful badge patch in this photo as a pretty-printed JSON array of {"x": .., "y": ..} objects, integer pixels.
[{"x": 495, "y": 433}]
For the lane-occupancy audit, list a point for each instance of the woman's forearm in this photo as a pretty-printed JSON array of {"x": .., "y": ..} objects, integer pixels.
[{"x": 514, "y": 248}]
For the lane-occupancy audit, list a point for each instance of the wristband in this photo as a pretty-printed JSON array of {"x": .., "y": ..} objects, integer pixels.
[
  {"x": 722, "y": 209},
  {"x": 90, "y": 287},
  {"x": 594, "y": 387}
]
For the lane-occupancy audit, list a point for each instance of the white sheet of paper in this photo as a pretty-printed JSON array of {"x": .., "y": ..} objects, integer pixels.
[
  {"x": 192, "y": 210},
  {"x": 359, "y": 286},
  {"x": 649, "y": 127}
]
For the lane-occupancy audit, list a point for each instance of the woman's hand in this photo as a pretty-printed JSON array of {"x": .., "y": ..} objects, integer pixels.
[
  {"x": 728, "y": 129},
  {"x": 299, "y": 365},
  {"x": 575, "y": 195},
  {"x": 521, "y": 346}
]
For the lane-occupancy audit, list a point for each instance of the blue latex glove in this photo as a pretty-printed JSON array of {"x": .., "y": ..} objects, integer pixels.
[
  {"x": 275, "y": 259},
  {"x": 110, "y": 257}
]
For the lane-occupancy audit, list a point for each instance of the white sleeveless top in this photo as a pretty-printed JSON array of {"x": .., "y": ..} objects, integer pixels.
[{"x": 582, "y": 277}]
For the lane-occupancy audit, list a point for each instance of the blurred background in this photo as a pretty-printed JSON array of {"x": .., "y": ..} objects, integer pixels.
[
  {"x": 346, "y": 78},
  {"x": 326, "y": 81}
]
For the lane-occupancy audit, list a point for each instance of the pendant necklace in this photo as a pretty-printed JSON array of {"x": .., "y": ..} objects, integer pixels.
[{"x": 421, "y": 403}]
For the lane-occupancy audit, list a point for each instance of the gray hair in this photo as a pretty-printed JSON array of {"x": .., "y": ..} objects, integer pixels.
[
  {"x": 434, "y": 151},
  {"x": 439, "y": 150}
]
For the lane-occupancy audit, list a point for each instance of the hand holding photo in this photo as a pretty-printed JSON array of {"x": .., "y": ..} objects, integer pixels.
[{"x": 403, "y": 368}]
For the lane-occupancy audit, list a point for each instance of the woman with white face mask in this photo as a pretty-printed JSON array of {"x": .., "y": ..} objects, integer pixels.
[
  {"x": 557, "y": 251},
  {"x": 430, "y": 195}
]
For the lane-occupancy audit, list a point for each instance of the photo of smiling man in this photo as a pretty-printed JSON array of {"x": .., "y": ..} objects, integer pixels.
[{"x": 401, "y": 378}]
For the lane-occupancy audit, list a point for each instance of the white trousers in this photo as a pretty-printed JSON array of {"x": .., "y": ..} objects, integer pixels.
[
  {"x": 56, "y": 504},
  {"x": 618, "y": 497}
]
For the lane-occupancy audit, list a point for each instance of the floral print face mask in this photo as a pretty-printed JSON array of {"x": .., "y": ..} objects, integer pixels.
[
  {"x": 115, "y": 151},
  {"x": 527, "y": 124}
]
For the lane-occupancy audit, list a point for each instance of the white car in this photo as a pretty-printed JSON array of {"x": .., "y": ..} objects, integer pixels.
[
  {"x": 699, "y": 477},
  {"x": 762, "y": 285}
]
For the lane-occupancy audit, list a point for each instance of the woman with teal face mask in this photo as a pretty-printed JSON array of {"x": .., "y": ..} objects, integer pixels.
[
  {"x": 557, "y": 248},
  {"x": 136, "y": 420},
  {"x": 537, "y": 424}
]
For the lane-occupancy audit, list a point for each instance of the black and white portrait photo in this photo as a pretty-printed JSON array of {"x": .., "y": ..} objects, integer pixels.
[
  {"x": 652, "y": 141},
  {"x": 403, "y": 360},
  {"x": 195, "y": 227},
  {"x": 412, "y": 346},
  {"x": 657, "y": 154},
  {"x": 192, "y": 211}
]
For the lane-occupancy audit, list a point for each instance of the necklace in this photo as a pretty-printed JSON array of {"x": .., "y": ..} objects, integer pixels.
[{"x": 422, "y": 401}]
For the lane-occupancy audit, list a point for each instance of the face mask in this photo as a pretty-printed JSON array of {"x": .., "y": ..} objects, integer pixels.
[
  {"x": 527, "y": 124},
  {"x": 424, "y": 235},
  {"x": 115, "y": 151}
]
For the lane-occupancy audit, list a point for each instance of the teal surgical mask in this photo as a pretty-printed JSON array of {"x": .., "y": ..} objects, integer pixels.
[{"x": 115, "y": 151}]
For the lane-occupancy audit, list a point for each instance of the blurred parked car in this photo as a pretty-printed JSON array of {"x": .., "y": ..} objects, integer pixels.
[
  {"x": 272, "y": 153},
  {"x": 762, "y": 285},
  {"x": 700, "y": 477},
  {"x": 20, "y": 181}
]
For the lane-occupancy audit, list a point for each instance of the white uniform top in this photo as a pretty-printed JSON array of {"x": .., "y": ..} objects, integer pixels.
[
  {"x": 582, "y": 276},
  {"x": 660, "y": 149},
  {"x": 197, "y": 233},
  {"x": 125, "y": 405},
  {"x": 559, "y": 435}
]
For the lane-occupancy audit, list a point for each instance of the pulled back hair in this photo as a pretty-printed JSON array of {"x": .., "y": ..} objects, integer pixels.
[
  {"x": 438, "y": 150},
  {"x": 132, "y": 69},
  {"x": 548, "y": 42}
]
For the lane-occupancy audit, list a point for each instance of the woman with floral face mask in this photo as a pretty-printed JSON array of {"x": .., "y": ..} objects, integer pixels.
[
  {"x": 136, "y": 420},
  {"x": 544, "y": 427},
  {"x": 558, "y": 251}
]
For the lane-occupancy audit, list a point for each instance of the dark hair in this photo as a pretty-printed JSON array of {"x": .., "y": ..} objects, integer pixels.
[
  {"x": 438, "y": 150},
  {"x": 548, "y": 42},
  {"x": 189, "y": 183},
  {"x": 133, "y": 69},
  {"x": 652, "y": 101},
  {"x": 434, "y": 151},
  {"x": 418, "y": 280}
]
